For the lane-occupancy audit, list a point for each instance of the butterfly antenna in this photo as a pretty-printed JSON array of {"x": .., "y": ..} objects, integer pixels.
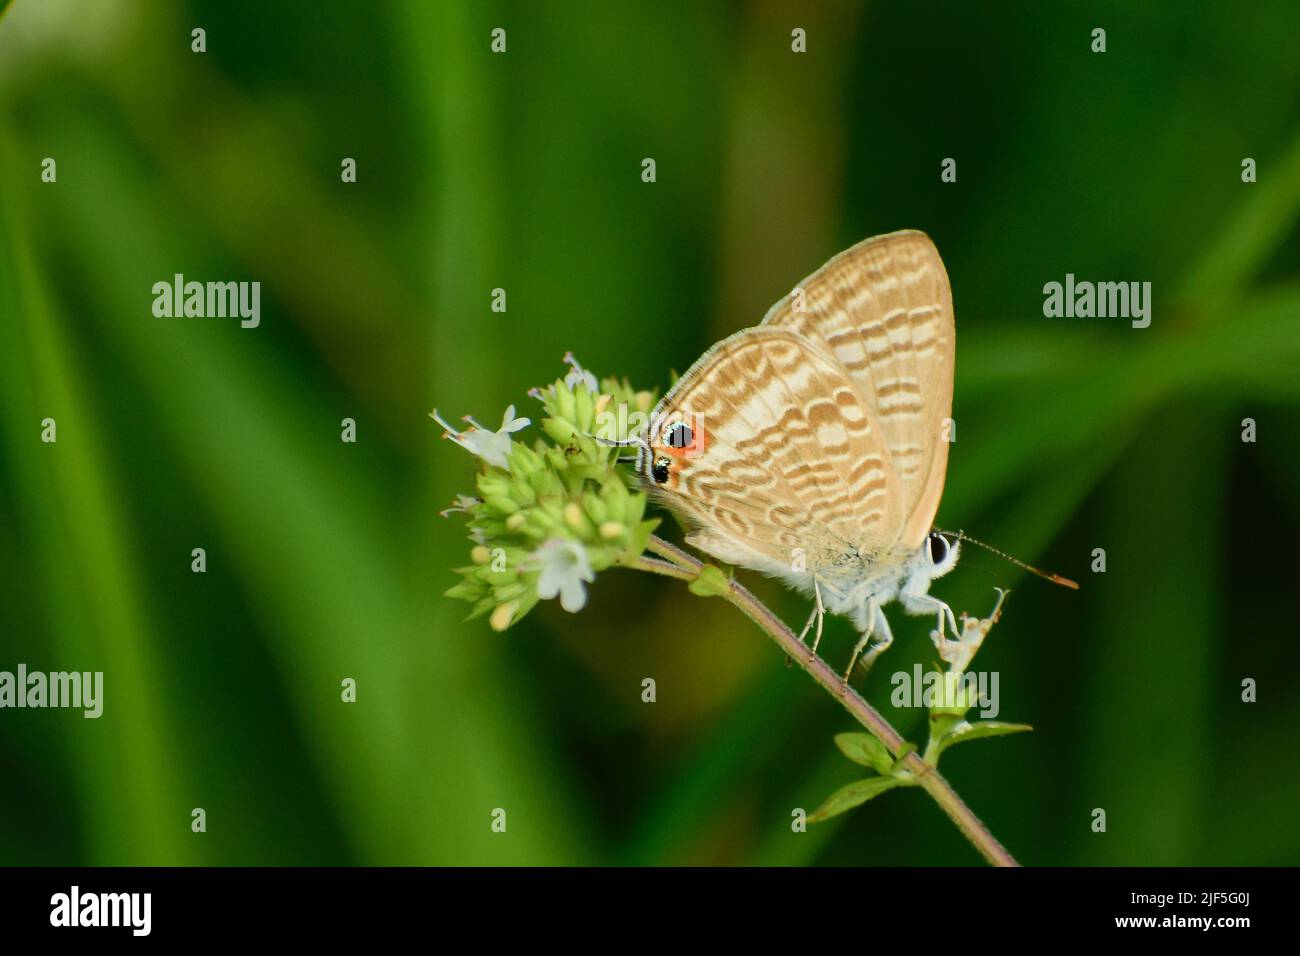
[
  {"x": 635, "y": 441},
  {"x": 617, "y": 442},
  {"x": 1054, "y": 578}
]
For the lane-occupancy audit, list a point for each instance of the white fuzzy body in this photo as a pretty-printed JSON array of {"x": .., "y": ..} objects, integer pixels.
[{"x": 858, "y": 588}]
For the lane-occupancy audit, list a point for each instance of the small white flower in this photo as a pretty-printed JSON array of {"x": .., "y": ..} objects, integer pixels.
[
  {"x": 492, "y": 446},
  {"x": 565, "y": 571},
  {"x": 462, "y": 503},
  {"x": 578, "y": 374}
]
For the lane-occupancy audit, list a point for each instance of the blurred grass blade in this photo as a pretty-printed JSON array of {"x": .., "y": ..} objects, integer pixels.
[{"x": 134, "y": 778}]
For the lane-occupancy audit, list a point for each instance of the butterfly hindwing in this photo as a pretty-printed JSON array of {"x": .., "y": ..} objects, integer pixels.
[{"x": 785, "y": 454}]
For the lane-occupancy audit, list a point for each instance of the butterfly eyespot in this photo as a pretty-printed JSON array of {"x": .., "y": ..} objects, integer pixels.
[
  {"x": 678, "y": 435},
  {"x": 938, "y": 548},
  {"x": 659, "y": 471}
]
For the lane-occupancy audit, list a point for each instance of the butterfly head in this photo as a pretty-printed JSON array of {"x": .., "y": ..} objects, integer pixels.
[
  {"x": 938, "y": 555},
  {"x": 668, "y": 448}
]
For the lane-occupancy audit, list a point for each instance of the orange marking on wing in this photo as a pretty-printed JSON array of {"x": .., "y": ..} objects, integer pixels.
[{"x": 698, "y": 446}]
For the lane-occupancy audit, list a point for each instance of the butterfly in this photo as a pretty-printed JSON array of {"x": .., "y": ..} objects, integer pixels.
[{"x": 814, "y": 446}]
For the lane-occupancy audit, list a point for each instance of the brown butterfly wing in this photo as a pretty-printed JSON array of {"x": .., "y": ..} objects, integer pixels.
[
  {"x": 785, "y": 454},
  {"x": 883, "y": 309}
]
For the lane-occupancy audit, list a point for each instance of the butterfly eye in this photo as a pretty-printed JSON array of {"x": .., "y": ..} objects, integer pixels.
[
  {"x": 678, "y": 435},
  {"x": 938, "y": 548},
  {"x": 659, "y": 471}
]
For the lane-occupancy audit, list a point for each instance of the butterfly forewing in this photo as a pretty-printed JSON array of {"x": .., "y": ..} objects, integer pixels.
[
  {"x": 883, "y": 310},
  {"x": 785, "y": 454}
]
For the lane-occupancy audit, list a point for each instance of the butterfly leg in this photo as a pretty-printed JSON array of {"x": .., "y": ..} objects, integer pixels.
[
  {"x": 818, "y": 613},
  {"x": 821, "y": 616},
  {"x": 877, "y": 622},
  {"x": 884, "y": 638},
  {"x": 929, "y": 604}
]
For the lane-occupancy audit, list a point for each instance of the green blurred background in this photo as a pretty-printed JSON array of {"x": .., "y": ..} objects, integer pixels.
[{"x": 475, "y": 171}]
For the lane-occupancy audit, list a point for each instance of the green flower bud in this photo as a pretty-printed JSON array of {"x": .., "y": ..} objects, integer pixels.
[
  {"x": 502, "y": 503},
  {"x": 562, "y": 404},
  {"x": 596, "y": 507},
  {"x": 560, "y": 430},
  {"x": 584, "y": 418},
  {"x": 524, "y": 461},
  {"x": 467, "y": 589},
  {"x": 561, "y": 507},
  {"x": 577, "y": 521},
  {"x": 711, "y": 582},
  {"x": 493, "y": 484}
]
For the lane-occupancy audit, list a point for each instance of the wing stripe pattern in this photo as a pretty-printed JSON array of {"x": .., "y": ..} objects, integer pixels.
[
  {"x": 821, "y": 427},
  {"x": 883, "y": 309},
  {"x": 792, "y": 457}
]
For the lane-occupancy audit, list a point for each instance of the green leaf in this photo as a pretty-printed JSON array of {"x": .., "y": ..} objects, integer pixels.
[
  {"x": 1238, "y": 248},
  {"x": 855, "y": 794},
  {"x": 711, "y": 582},
  {"x": 984, "y": 728},
  {"x": 866, "y": 750}
]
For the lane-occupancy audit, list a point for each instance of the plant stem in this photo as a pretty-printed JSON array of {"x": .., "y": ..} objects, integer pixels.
[
  {"x": 662, "y": 567},
  {"x": 673, "y": 553},
  {"x": 678, "y": 564}
]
